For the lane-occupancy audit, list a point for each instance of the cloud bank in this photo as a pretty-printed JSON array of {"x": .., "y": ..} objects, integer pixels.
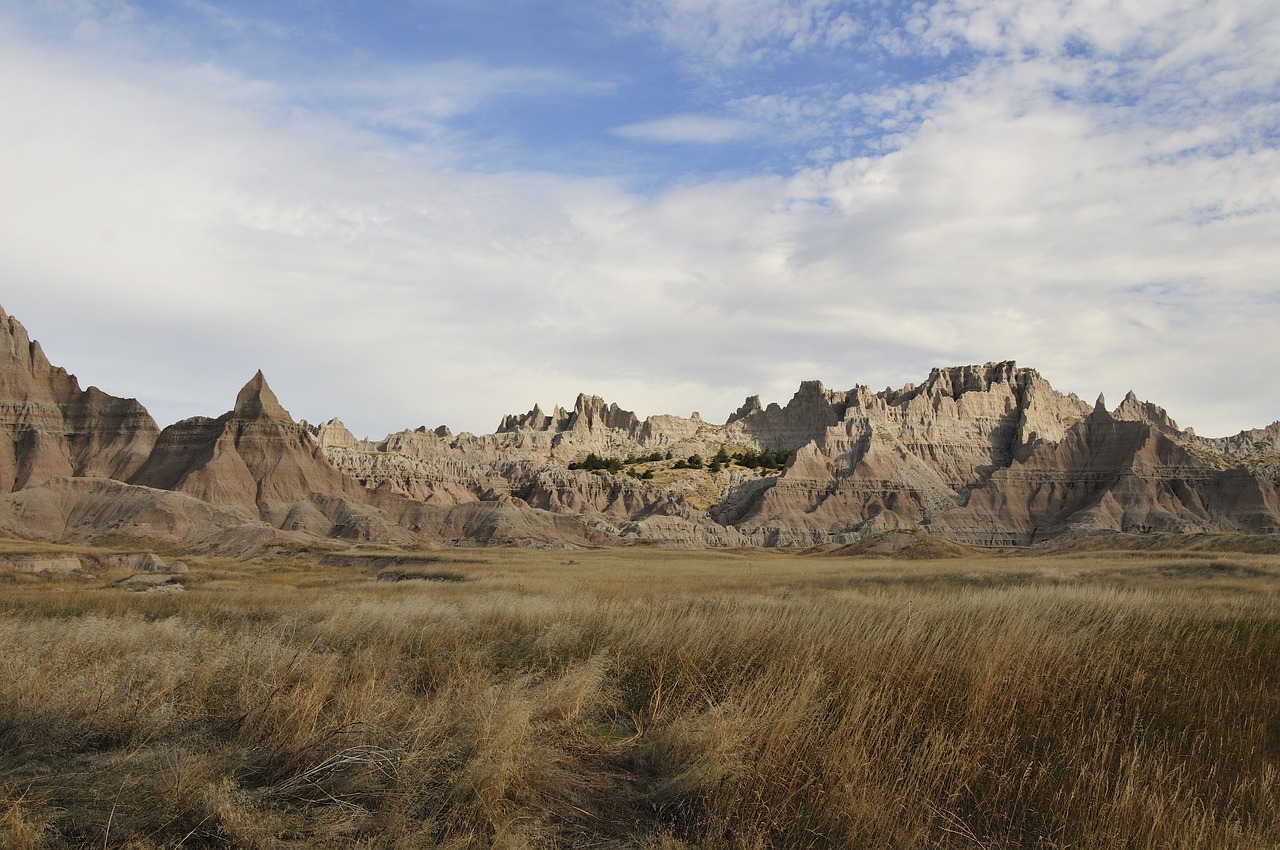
[{"x": 1090, "y": 188}]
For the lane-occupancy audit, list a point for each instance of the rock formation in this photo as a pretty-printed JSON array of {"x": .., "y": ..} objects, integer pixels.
[
  {"x": 50, "y": 428},
  {"x": 254, "y": 461},
  {"x": 944, "y": 455},
  {"x": 984, "y": 455},
  {"x": 897, "y": 459},
  {"x": 1109, "y": 474}
]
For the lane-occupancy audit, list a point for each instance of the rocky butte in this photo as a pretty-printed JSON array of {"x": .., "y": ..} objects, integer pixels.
[{"x": 982, "y": 455}]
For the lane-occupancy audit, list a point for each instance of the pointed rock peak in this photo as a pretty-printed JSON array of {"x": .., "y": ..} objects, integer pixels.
[
  {"x": 1100, "y": 406},
  {"x": 1133, "y": 409},
  {"x": 515, "y": 421},
  {"x": 257, "y": 401},
  {"x": 38, "y": 359},
  {"x": 17, "y": 342},
  {"x": 750, "y": 406}
]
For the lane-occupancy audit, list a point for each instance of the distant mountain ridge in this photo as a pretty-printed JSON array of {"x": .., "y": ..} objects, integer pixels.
[{"x": 984, "y": 454}]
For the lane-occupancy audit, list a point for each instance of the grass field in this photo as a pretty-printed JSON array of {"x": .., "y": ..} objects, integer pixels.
[{"x": 649, "y": 698}]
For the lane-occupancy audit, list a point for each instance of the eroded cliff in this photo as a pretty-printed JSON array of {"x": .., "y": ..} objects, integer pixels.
[{"x": 983, "y": 454}]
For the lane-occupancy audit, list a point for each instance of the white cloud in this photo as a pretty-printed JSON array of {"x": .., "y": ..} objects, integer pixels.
[
  {"x": 693, "y": 129},
  {"x": 169, "y": 229}
]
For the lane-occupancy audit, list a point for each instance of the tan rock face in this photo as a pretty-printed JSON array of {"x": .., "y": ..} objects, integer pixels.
[
  {"x": 1108, "y": 474},
  {"x": 984, "y": 454},
  {"x": 256, "y": 462},
  {"x": 334, "y": 435},
  {"x": 900, "y": 457},
  {"x": 50, "y": 428},
  {"x": 811, "y": 410},
  {"x": 1134, "y": 410}
]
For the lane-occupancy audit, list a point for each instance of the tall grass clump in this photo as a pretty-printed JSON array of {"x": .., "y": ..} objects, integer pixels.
[{"x": 514, "y": 712}]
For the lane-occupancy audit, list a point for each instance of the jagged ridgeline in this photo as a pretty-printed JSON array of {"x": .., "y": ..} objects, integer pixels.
[{"x": 985, "y": 455}]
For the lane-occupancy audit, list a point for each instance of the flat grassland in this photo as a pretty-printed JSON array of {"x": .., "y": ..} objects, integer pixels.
[{"x": 648, "y": 698}]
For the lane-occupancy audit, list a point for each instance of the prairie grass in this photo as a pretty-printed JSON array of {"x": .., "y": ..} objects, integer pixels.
[{"x": 650, "y": 699}]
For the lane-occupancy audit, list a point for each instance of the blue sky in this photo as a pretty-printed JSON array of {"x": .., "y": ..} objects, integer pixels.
[{"x": 415, "y": 213}]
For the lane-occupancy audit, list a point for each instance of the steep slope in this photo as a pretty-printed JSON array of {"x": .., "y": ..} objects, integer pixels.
[
  {"x": 806, "y": 416},
  {"x": 898, "y": 458},
  {"x": 256, "y": 462},
  {"x": 50, "y": 428},
  {"x": 254, "y": 458},
  {"x": 1109, "y": 474},
  {"x": 1257, "y": 449}
]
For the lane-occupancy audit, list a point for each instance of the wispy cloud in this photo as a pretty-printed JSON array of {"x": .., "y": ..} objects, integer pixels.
[
  {"x": 693, "y": 129},
  {"x": 734, "y": 33}
]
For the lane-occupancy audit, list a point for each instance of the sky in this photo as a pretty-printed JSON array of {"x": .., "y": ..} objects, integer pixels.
[{"x": 425, "y": 212}]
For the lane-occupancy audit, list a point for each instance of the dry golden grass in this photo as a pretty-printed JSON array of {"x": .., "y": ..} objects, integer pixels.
[{"x": 650, "y": 698}]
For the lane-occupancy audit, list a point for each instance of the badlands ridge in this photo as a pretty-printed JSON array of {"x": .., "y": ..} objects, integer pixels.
[{"x": 986, "y": 455}]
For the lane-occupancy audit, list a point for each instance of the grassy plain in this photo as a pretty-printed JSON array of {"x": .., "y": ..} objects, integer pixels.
[{"x": 649, "y": 698}]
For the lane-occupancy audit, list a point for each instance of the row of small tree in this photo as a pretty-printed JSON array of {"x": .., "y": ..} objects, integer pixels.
[
  {"x": 651, "y": 457},
  {"x": 595, "y": 462},
  {"x": 750, "y": 459}
]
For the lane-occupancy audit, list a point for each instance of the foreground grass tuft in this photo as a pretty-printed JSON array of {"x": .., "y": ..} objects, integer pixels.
[{"x": 652, "y": 700}]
